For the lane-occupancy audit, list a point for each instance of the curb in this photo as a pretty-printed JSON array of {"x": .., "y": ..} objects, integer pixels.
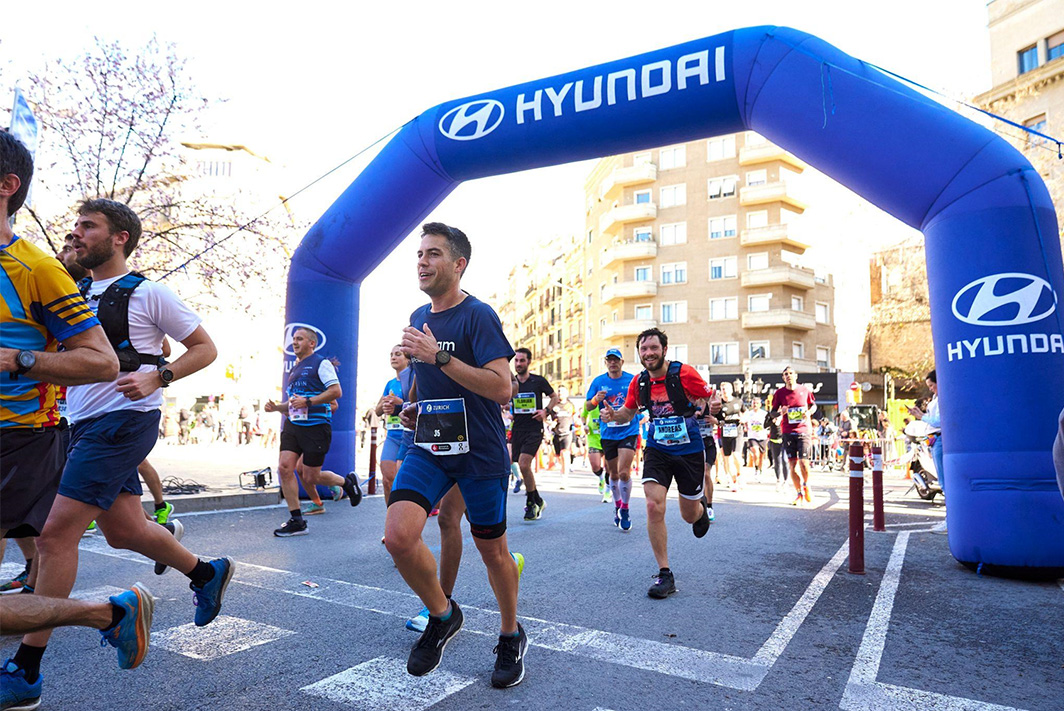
[{"x": 217, "y": 500}]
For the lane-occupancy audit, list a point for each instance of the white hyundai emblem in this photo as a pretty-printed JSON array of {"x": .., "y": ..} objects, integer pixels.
[
  {"x": 1008, "y": 299},
  {"x": 472, "y": 120}
]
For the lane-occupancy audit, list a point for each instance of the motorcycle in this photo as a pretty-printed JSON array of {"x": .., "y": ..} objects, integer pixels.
[{"x": 920, "y": 436}]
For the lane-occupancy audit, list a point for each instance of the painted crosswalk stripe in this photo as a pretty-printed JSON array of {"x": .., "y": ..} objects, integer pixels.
[
  {"x": 383, "y": 683},
  {"x": 98, "y": 594},
  {"x": 225, "y": 636}
]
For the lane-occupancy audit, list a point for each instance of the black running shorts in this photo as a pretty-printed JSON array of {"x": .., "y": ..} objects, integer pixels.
[
  {"x": 525, "y": 442},
  {"x": 312, "y": 441},
  {"x": 686, "y": 469},
  {"x": 610, "y": 446},
  {"x": 797, "y": 445}
]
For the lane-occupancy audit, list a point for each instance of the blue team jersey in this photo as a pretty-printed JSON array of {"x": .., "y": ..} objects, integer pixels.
[
  {"x": 472, "y": 333},
  {"x": 394, "y": 387},
  {"x": 616, "y": 391}
]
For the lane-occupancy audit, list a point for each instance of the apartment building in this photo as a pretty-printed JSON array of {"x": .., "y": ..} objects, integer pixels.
[{"x": 698, "y": 239}]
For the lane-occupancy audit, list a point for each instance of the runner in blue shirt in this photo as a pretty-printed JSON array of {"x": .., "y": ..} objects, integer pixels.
[
  {"x": 390, "y": 405},
  {"x": 461, "y": 364},
  {"x": 618, "y": 440}
]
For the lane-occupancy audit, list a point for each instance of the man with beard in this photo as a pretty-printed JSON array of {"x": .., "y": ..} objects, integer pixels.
[
  {"x": 672, "y": 392},
  {"x": 116, "y": 423},
  {"x": 526, "y": 434}
]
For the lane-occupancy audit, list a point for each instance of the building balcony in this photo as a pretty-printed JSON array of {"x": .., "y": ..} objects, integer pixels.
[
  {"x": 621, "y": 215},
  {"x": 753, "y": 195},
  {"x": 627, "y": 327},
  {"x": 768, "y": 153},
  {"x": 769, "y": 235},
  {"x": 781, "y": 275},
  {"x": 625, "y": 177},
  {"x": 528, "y": 315},
  {"x": 776, "y": 318},
  {"x": 629, "y": 290},
  {"x": 646, "y": 249}
]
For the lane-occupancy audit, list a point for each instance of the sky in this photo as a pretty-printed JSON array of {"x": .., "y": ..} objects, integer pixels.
[{"x": 311, "y": 84}]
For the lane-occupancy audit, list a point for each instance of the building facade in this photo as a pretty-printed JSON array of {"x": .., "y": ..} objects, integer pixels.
[{"x": 697, "y": 239}]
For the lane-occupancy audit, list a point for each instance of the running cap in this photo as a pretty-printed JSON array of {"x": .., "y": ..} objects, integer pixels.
[{"x": 614, "y": 352}]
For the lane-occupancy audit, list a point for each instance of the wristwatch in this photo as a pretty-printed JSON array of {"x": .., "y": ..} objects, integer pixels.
[
  {"x": 442, "y": 358},
  {"x": 166, "y": 375},
  {"x": 25, "y": 360}
]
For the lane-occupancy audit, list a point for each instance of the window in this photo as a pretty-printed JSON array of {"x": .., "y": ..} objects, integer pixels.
[
  {"x": 590, "y": 266},
  {"x": 798, "y": 350},
  {"x": 797, "y": 303},
  {"x": 822, "y": 315},
  {"x": 642, "y": 273},
  {"x": 757, "y": 219},
  {"x": 720, "y": 148},
  {"x": 674, "y": 312},
  {"x": 722, "y": 187},
  {"x": 674, "y": 157},
  {"x": 589, "y": 302},
  {"x": 1028, "y": 59},
  {"x": 757, "y": 177},
  {"x": 1055, "y": 46},
  {"x": 757, "y": 261},
  {"x": 823, "y": 356},
  {"x": 724, "y": 353},
  {"x": 1038, "y": 123},
  {"x": 723, "y": 309},
  {"x": 590, "y": 234},
  {"x": 756, "y": 303},
  {"x": 759, "y": 349},
  {"x": 644, "y": 312},
  {"x": 602, "y": 291},
  {"x": 674, "y": 234},
  {"x": 641, "y": 159},
  {"x": 602, "y": 326},
  {"x": 674, "y": 273},
  {"x": 673, "y": 195},
  {"x": 720, "y": 227},
  {"x": 615, "y": 316},
  {"x": 642, "y": 197},
  {"x": 643, "y": 234},
  {"x": 723, "y": 268},
  {"x": 678, "y": 353}
]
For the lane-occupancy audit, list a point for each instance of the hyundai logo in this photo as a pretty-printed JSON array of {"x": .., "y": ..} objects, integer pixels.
[
  {"x": 290, "y": 329},
  {"x": 472, "y": 120},
  {"x": 1008, "y": 299}
]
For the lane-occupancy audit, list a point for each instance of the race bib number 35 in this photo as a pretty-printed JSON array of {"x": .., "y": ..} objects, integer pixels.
[{"x": 441, "y": 427}]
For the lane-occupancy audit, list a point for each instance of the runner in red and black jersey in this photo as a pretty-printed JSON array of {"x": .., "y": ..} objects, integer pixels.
[{"x": 796, "y": 403}]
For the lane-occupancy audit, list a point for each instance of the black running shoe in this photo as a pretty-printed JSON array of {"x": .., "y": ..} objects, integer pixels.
[
  {"x": 352, "y": 488},
  {"x": 292, "y": 527},
  {"x": 178, "y": 529},
  {"x": 510, "y": 659},
  {"x": 428, "y": 650},
  {"x": 530, "y": 511},
  {"x": 701, "y": 526},
  {"x": 664, "y": 585}
]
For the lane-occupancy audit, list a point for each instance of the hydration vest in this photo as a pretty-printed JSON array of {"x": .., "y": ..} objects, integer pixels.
[
  {"x": 113, "y": 314},
  {"x": 681, "y": 405}
]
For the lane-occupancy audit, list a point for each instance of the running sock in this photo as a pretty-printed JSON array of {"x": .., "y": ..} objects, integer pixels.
[
  {"x": 117, "y": 613},
  {"x": 598, "y": 474},
  {"x": 615, "y": 487},
  {"x": 296, "y": 513},
  {"x": 515, "y": 470},
  {"x": 664, "y": 570},
  {"x": 626, "y": 490},
  {"x": 450, "y": 610},
  {"x": 201, "y": 574},
  {"x": 28, "y": 659},
  {"x": 539, "y": 499},
  {"x": 160, "y": 506}
]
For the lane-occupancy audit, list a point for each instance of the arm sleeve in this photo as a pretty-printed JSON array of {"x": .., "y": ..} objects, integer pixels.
[
  {"x": 327, "y": 374},
  {"x": 64, "y": 311}
]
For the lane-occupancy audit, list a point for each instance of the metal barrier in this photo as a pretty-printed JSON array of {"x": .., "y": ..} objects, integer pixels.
[
  {"x": 371, "y": 482},
  {"x": 856, "y": 460}
]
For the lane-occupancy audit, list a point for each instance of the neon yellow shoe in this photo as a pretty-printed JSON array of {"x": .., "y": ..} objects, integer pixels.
[{"x": 520, "y": 560}]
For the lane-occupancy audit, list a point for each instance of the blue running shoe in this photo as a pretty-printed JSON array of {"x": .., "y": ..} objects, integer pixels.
[
  {"x": 626, "y": 523},
  {"x": 17, "y": 694},
  {"x": 419, "y": 622},
  {"x": 131, "y": 635},
  {"x": 208, "y": 599},
  {"x": 617, "y": 516}
]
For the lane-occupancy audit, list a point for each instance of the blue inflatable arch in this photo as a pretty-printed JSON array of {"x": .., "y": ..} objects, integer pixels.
[{"x": 993, "y": 260}]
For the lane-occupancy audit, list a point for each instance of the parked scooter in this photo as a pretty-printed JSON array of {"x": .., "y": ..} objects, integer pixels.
[{"x": 920, "y": 436}]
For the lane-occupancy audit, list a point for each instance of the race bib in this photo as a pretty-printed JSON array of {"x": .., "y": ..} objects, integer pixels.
[
  {"x": 670, "y": 431},
  {"x": 704, "y": 429},
  {"x": 393, "y": 423},
  {"x": 730, "y": 431},
  {"x": 757, "y": 429},
  {"x": 525, "y": 404},
  {"x": 62, "y": 403},
  {"x": 795, "y": 416},
  {"x": 297, "y": 414},
  {"x": 441, "y": 427}
]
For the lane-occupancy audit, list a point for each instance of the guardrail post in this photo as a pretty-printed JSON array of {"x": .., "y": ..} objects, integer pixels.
[
  {"x": 878, "y": 522},
  {"x": 856, "y": 509}
]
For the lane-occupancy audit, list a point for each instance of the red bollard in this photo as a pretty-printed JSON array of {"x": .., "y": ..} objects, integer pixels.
[
  {"x": 878, "y": 522},
  {"x": 371, "y": 486},
  {"x": 857, "y": 509}
]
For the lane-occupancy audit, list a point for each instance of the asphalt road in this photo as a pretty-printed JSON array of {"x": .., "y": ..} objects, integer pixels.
[{"x": 766, "y": 617}]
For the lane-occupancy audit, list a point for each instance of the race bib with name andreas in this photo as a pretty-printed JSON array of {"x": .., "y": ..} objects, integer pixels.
[
  {"x": 525, "y": 404},
  {"x": 441, "y": 427},
  {"x": 670, "y": 431}
]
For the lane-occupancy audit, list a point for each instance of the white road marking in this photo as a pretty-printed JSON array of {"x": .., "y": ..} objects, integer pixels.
[
  {"x": 225, "y": 636},
  {"x": 10, "y": 570},
  {"x": 863, "y": 692},
  {"x": 674, "y": 660},
  {"x": 96, "y": 594},
  {"x": 384, "y": 683}
]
